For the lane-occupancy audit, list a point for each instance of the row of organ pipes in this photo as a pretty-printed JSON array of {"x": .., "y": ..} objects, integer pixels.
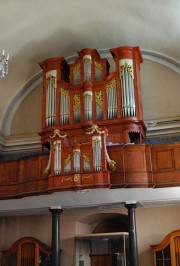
[
  {"x": 110, "y": 89},
  {"x": 72, "y": 162}
]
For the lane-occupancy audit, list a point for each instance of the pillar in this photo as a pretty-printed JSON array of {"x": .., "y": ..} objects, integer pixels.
[
  {"x": 55, "y": 245},
  {"x": 133, "y": 250}
]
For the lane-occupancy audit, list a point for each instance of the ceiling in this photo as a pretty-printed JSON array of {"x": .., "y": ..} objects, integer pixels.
[{"x": 32, "y": 31}]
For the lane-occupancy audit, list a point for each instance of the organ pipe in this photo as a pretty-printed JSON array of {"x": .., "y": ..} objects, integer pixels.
[
  {"x": 86, "y": 163},
  {"x": 57, "y": 157},
  {"x": 77, "y": 108},
  {"x": 87, "y": 68},
  {"x": 88, "y": 105},
  {"x": 97, "y": 146},
  {"x": 76, "y": 155},
  {"x": 50, "y": 98},
  {"x": 64, "y": 106},
  {"x": 112, "y": 99},
  {"x": 99, "y": 105},
  {"x": 67, "y": 164},
  {"x": 127, "y": 87}
]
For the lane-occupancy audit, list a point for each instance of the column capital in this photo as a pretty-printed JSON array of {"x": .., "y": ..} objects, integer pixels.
[
  {"x": 55, "y": 210},
  {"x": 131, "y": 205}
]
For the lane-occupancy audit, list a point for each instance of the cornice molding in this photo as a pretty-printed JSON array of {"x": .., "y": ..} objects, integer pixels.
[{"x": 19, "y": 144}]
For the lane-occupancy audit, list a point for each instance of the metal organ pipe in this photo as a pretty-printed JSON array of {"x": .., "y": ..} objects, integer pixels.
[
  {"x": 112, "y": 99},
  {"x": 50, "y": 98},
  {"x": 97, "y": 146},
  {"x": 57, "y": 157},
  {"x": 88, "y": 105},
  {"x": 76, "y": 154},
  {"x": 127, "y": 87},
  {"x": 64, "y": 106},
  {"x": 87, "y": 68}
]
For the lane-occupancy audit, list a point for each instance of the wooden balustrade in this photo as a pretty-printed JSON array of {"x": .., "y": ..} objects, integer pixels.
[{"x": 136, "y": 166}]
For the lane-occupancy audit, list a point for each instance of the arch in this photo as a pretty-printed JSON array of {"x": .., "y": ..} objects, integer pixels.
[{"x": 37, "y": 79}]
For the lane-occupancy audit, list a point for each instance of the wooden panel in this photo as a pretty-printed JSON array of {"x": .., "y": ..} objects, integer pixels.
[
  {"x": 31, "y": 169},
  {"x": 167, "y": 177},
  {"x": 163, "y": 159},
  {"x": 11, "y": 172},
  {"x": 134, "y": 158}
]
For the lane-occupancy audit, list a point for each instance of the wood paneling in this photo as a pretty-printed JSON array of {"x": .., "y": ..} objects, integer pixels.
[{"x": 136, "y": 166}]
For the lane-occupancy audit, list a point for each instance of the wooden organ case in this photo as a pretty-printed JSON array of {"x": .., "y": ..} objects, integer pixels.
[{"x": 87, "y": 111}]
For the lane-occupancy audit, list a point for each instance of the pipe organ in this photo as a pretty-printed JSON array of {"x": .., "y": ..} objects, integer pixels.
[{"x": 83, "y": 97}]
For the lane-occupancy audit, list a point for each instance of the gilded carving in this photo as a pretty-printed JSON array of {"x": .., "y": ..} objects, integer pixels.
[
  {"x": 87, "y": 177},
  {"x": 112, "y": 165},
  {"x": 111, "y": 85},
  {"x": 51, "y": 80},
  {"x": 76, "y": 178},
  {"x": 86, "y": 158},
  {"x": 98, "y": 65},
  {"x": 66, "y": 179},
  {"x": 126, "y": 67},
  {"x": 99, "y": 98},
  {"x": 57, "y": 133},
  {"x": 76, "y": 68},
  {"x": 68, "y": 158},
  {"x": 64, "y": 92},
  {"x": 94, "y": 128},
  {"x": 76, "y": 101}
]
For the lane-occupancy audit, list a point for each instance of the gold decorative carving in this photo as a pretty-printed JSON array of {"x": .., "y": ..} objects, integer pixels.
[
  {"x": 66, "y": 179},
  {"x": 64, "y": 92},
  {"x": 76, "y": 68},
  {"x": 112, "y": 165},
  {"x": 87, "y": 177},
  {"x": 68, "y": 158},
  {"x": 76, "y": 178},
  {"x": 111, "y": 85},
  {"x": 94, "y": 128},
  {"x": 126, "y": 67},
  {"x": 46, "y": 172},
  {"x": 76, "y": 101},
  {"x": 98, "y": 65},
  {"x": 86, "y": 158},
  {"x": 99, "y": 98},
  {"x": 57, "y": 133},
  {"x": 51, "y": 80},
  {"x": 96, "y": 140}
]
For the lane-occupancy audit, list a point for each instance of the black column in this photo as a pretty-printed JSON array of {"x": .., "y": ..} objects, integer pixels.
[
  {"x": 55, "y": 246},
  {"x": 133, "y": 250}
]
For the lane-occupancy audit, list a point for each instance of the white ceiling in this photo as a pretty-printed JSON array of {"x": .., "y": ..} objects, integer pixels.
[{"x": 34, "y": 30}]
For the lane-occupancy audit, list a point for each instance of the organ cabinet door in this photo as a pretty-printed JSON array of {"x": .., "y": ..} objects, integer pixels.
[
  {"x": 167, "y": 253},
  {"x": 27, "y": 251}
]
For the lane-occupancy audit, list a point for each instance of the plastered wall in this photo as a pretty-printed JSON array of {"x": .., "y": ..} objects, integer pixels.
[{"x": 153, "y": 224}]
